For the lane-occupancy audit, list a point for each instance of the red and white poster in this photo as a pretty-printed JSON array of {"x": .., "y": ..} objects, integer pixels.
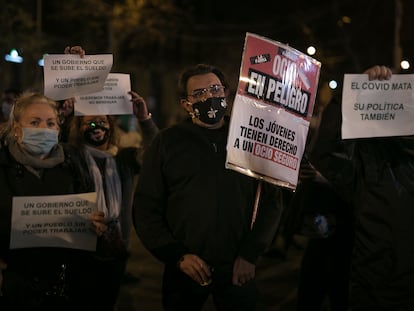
[{"x": 271, "y": 111}]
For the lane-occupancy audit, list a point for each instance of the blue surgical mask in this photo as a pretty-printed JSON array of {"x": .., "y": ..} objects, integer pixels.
[{"x": 39, "y": 141}]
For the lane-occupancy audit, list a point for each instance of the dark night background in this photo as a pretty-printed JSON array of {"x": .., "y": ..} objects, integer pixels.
[{"x": 153, "y": 40}]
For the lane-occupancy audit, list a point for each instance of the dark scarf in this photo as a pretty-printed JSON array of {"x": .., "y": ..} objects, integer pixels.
[{"x": 36, "y": 164}]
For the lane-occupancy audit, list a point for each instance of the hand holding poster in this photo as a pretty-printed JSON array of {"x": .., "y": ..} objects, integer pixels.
[
  {"x": 112, "y": 100},
  {"x": 69, "y": 75},
  {"x": 271, "y": 111},
  {"x": 377, "y": 108}
]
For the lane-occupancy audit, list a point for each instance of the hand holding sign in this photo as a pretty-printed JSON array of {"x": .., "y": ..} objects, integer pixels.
[
  {"x": 139, "y": 107},
  {"x": 377, "y": 104},
  {"x": 378, "y": 73},
  {"x": 70, "y": 75},
  {"x": 75, "y": 50}
]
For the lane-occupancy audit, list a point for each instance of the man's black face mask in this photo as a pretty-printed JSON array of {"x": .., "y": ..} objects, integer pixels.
[{"x": 211, "y": 110}]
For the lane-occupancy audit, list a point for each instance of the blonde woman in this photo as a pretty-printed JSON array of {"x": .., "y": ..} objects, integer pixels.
[{"x": 34, "y": 163}]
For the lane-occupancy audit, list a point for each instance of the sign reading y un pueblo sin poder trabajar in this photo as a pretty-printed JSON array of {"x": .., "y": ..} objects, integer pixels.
[{"x": 271, "y": 111}]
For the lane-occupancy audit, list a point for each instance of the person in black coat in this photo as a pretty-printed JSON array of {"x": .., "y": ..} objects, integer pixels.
[
  {"x": 376, "y": 176},
  {"x": 195, "y": 215}
]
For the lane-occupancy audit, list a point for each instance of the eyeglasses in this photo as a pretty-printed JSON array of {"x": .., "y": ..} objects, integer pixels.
[
  {"x": 215, "y": 90},
  {"x": 95, "y": 123}
]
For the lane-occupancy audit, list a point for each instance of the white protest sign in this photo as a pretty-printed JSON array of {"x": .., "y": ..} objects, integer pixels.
[
  {"x": 54, "y": 221},
  {"x": 377, "y": 108},
  {"x": 113, "y": 99},
  {"x": 69, "y": 75},
  {"x": 271, "y": 111}
]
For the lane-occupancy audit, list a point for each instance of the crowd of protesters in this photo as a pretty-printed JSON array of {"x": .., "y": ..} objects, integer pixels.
[{"x": 194, "y": 215}]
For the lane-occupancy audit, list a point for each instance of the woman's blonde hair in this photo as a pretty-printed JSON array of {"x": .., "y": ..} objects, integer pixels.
[{"x": 22, "y": 102}]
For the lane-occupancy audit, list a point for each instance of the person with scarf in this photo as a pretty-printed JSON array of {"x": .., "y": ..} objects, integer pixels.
[
  {"x": 114, "y": 172},
  {"x": 34, "y": 164}
]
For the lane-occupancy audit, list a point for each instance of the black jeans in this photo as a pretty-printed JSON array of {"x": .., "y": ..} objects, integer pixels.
[{"x": 180, "y": 292}]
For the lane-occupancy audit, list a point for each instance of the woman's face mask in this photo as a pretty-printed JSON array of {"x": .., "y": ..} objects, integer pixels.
[
  {"x": 37, "y": 130},
  {"x": 211, "y": 110},
  {"x": 39, "y": 141},
  {"x": 97, "y": 132}
]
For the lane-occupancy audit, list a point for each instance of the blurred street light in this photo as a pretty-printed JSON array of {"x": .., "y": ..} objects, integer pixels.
[
  {"x": 13, "y": 57},
  {"x": 311, "y": 50},
  {"x": 41, "y": 62},
  {"x": 405, "y": 64},
  {"x": 333, "y": 84}
]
